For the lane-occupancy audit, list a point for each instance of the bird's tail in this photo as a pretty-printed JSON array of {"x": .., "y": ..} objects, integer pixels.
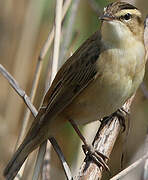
[
  {"x": 33, "y": 139},
  {"x": 16, "y": 162}
]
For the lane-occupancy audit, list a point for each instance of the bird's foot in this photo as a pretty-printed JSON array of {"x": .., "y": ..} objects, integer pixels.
[
  {"x": 120, "y": 113},
  {"x": 96, "y": 156},
  {"x": 89, "y": 150}
]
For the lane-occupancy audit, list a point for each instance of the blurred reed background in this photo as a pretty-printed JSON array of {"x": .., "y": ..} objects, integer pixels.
[{"x": 24, "y": 27}]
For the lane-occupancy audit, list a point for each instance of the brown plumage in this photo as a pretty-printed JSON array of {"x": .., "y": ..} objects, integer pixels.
[{"x": 115, "y": 7}]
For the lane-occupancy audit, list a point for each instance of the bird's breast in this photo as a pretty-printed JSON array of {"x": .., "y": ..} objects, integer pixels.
[{"x": 120, "y": 74}]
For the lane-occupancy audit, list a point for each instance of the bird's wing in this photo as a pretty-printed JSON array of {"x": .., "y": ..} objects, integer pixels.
[{"x": 78, "y": 71}]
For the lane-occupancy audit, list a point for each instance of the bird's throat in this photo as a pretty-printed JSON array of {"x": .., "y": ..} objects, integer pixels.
[{"x": 116, "y": 34}]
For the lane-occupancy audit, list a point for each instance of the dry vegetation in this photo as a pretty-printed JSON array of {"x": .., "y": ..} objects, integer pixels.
[{"x": 24, "y": 27}]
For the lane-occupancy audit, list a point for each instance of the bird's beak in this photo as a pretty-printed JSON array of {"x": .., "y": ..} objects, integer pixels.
[{"x": 106, "y": 17}]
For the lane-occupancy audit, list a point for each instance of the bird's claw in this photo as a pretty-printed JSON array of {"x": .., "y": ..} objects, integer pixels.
[
  {"x": 120, "y": 113},
  {"x": 96, "y": 156}
]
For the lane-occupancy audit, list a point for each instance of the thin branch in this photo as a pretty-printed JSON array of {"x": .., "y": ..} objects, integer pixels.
[
  {"x": 39, "y": 160},
  {"x": 46, "y": 163},
  {"x": 103, "y": 142},
  {"x": 32, "y": 96},
  {"x": 130, "y": 168},
  {"x": 68, "y": 32},
  {"x": 58, "y": 21},
  {"x": 62, "y": 159},
  {"x": 51, "y": 34},
  {"x": 14, "y": 84}
]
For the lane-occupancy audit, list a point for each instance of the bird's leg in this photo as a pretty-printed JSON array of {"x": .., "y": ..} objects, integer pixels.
[
  {"x": 120, "y": 113},
  {"x": 89, "y": 150}
]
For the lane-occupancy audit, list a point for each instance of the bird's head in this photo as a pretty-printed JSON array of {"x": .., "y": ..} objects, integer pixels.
[{"x": 120, "y": 22}]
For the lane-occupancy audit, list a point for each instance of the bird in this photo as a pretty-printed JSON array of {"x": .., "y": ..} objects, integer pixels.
[{"x": 100, "y": 76}]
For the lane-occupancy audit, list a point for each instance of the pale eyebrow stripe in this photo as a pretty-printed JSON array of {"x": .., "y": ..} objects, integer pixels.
[{"x": 132, "y": 11}]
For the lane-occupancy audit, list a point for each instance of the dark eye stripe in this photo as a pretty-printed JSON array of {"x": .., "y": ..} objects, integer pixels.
[{"x": 127, "y": 6}]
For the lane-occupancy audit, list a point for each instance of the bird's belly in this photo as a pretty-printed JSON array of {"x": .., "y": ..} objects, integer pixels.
[{"x": 98, "y": 100}]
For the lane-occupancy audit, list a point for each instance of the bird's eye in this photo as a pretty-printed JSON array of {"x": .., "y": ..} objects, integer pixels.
[{"x": 127, "y": 16}]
